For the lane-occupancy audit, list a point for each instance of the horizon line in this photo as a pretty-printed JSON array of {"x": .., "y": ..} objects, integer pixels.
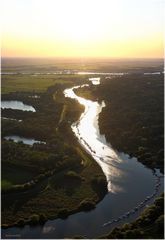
[{"x": 76, "y": 57}]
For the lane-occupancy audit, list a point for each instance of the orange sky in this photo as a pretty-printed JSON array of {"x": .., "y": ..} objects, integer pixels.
[{"x": 82, "y": 28}]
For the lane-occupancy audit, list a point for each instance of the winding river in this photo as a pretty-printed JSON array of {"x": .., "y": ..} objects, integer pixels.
[{"x": 131, "y": 186}]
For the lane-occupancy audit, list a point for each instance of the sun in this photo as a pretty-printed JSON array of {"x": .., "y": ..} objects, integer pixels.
[
  {"x": 105, "y": 28},
  {"x": 83, "y": 21}
]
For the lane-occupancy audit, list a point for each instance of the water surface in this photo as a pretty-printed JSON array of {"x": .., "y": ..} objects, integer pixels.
[
  {"x": 18, "y": 105},
  {"x": 12, "y": 119},
  {"x": 95, "y": 80},
  {"x": 29, "y": 141},
  {"x": 130, "y": 185}
]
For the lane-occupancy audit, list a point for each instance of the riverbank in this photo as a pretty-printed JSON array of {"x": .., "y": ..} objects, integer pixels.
[
  {"x": 132, "y": 128},
  {"x": 132, "y": 119},
  {"x": 63, "y": 179},
  {"x": 67, "y": 178},
  {"x": 150, "y": 224},
  {"x": 65, "y": 192},
  {"x": 85, "y": 224}
]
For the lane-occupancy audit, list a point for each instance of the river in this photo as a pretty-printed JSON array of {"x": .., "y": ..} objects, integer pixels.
[{"x": 131, "y": 185}]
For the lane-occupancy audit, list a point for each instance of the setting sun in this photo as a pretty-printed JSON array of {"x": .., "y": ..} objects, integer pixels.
[
  {"x": 100, "y": 28},
  {"x": 82, "y": 102}
]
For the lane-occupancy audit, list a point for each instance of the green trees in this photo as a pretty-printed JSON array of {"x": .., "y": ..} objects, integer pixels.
[
  {"x": 99, "y": 185},
  {"x": 34, "y": 219},
  {"x": 160, "y": 223},
  {"x": 5, "y": 185},
  {"x": 48, "y": 180},
  {"x": 149, "y": 225},
  {"x": 63, "y": 213},
  {"x": 73, "y": 175},
  {"x": 21, "y": 222},
  {"x": 42, "y": 218},
  {"x": 86, "y": 205},
  {"x": 132, "y": 120}
]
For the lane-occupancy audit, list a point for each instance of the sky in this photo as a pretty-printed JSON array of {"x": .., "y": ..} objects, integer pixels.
[{"x": 82, "y": 28}]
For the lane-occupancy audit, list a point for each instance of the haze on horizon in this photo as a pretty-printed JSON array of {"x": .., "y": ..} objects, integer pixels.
[{"x": 82, "y": 28}]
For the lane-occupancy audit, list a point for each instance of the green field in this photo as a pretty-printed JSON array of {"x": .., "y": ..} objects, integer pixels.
[{"x": 35, "y": 83}]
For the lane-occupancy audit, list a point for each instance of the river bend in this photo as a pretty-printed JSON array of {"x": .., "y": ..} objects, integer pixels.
[{"x": 131, "y": 185}]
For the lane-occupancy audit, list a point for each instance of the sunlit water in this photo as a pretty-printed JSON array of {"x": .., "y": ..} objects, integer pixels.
[
  {"x": 87, "y": 131},
  {"x": 103, "y": 73},
  {"x": 17, "y": 105},
  {"x": 66, "y": 72},
  {"x": 153, "y": 73},
  {"x": 95, "y": 80},
  {"x": 131, "y": 185},
  {"x": 11, "y": 119},
  {"x": 28, "y": 141}
]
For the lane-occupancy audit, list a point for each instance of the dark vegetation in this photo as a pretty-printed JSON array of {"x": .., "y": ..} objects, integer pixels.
[
  {"x": 150, "y": 225},
  {"x": 46, "y": 181},
  {"x": 133, "y": 119},
  {"x": 133, "y": 122},
  {"x": 42, "y": 123}
]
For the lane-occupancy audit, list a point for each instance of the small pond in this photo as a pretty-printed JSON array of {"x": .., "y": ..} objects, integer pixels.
[
  {"x": 17, "y": 105},
  {"x": 29, "y": 141},
  {"x": 95, "y": 80},
  {"x": 11, "y": 119}
]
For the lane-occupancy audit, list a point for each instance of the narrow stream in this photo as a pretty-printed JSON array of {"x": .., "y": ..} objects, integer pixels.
[{"x": 131, "y": 186}]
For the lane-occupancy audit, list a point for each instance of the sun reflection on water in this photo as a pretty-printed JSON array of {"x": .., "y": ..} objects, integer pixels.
[{"x": 87, "y": 131}]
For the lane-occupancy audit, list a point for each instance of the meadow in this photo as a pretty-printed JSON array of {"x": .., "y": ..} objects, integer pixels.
[{"x": 31, "y": 82}]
